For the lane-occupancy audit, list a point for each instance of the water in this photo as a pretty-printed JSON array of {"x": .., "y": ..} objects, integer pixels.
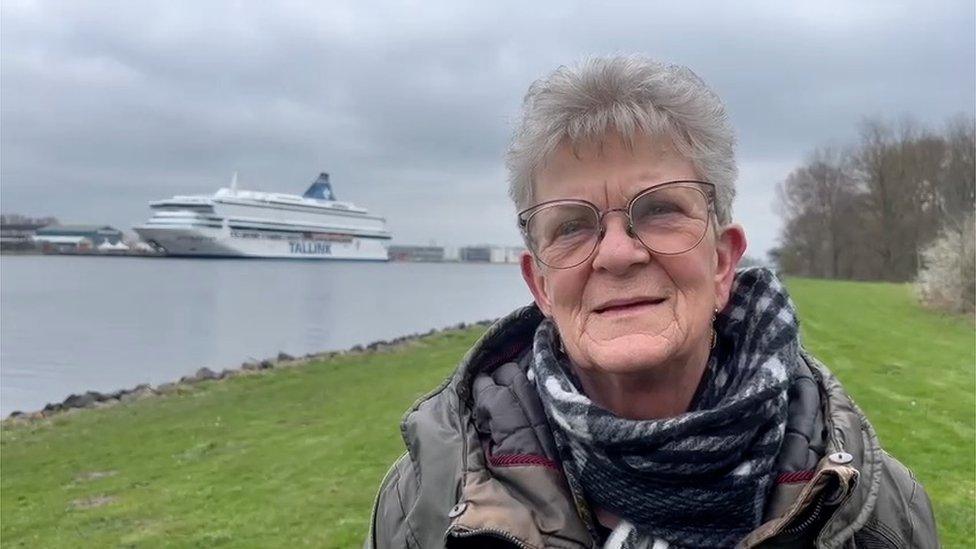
[{"x": 71, "y": 324}]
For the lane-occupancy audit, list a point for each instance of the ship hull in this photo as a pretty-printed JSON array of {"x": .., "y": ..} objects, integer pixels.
[{"x": 213, "y": 242}]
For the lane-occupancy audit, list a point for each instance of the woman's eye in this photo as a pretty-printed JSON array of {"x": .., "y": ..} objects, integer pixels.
[
  {"x": 661, "y": 208},
  {"x": 569, "y": 228}
]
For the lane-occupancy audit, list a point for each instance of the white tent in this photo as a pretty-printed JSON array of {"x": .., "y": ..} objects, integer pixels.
[{"x": 107, "y": 246}]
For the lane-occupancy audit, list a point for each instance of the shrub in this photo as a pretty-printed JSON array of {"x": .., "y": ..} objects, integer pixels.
[{"x": 947, "y": 278}]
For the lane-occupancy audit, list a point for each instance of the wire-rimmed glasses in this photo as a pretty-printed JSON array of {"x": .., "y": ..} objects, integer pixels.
[{"x": 668, "y": 219}]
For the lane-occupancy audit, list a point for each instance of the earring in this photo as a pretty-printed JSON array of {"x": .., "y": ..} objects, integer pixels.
[{"x": 714, "y": 335}]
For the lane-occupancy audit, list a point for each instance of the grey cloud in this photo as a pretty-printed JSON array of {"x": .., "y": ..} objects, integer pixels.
[{"x": 107, "y": 107}]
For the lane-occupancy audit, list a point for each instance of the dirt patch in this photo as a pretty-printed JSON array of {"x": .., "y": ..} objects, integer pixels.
[
  {"x": 94, "y": 475},
  {"x": 92, "y": 502}
]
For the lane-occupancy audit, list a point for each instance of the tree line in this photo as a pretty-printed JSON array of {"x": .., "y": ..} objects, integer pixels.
[{"x": 876, "y": 209}]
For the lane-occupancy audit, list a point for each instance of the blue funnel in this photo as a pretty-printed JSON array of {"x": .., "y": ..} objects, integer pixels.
[{"x": 321, "y": 189}]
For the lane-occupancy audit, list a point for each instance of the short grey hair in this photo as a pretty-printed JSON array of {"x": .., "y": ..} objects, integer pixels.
[{"x": 630, "y": 96}]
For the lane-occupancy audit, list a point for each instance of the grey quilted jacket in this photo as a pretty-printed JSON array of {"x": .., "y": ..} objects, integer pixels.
[{"x": 481, "y": 468}]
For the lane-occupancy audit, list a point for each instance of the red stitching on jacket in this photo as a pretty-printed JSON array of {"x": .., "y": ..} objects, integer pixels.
[
  {"x": 793, "y": 477},
  {"x": 510, "y": 352},
  {"x": 513, "y": 460}
]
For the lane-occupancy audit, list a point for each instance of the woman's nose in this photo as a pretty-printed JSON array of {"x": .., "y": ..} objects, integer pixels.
[{"x": 618, "y": 248}]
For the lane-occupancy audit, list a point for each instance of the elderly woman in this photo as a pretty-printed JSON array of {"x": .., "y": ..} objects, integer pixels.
[{"x": 653, "y": 396}]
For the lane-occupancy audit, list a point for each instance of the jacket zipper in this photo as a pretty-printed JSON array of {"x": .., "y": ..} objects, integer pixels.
[
  {"x": 807, "y": 522},
  {"x": 492, "y": 532}
]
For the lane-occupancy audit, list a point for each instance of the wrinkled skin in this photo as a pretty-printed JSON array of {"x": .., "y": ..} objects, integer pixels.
[{"x": 645, "y": 359}]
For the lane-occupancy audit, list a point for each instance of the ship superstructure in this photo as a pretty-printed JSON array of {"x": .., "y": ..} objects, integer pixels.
[{"x": 242, "y": 223}]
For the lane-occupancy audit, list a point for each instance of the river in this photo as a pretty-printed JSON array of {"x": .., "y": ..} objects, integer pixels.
[{"x": 73, "y": 323}]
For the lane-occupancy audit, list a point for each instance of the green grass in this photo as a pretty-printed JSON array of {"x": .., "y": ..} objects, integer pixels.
[
  {"x": 913, "y": 372},
  {"x": 294, "y": 457}
]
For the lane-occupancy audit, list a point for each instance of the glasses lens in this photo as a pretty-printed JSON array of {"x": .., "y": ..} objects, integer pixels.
[
  {"x": 563, "y": 235},
  {"x": 672, "y": 219}
]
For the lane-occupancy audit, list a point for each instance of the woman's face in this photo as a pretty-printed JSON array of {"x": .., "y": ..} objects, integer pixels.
[{"x": 626, "y": 309}]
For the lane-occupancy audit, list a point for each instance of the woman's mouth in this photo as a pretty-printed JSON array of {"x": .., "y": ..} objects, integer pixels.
[{"x": 627, "y": 306}]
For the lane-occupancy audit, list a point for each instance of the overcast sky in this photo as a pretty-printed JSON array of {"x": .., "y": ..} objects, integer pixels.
[{"x": 409, "y": 105}]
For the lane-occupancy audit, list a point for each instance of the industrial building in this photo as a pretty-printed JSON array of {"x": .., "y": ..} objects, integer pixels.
[
  {"x": 416, "y": 253},
  {"x": 490, "y": 254},
  {"x": 17, "y": 233},
  {"x": 77, "y": 238}
]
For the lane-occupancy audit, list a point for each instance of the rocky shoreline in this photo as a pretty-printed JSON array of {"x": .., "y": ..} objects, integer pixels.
[{"x": 95, "y": 400}]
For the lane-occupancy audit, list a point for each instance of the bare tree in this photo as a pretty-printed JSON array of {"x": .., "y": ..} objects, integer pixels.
[
  {"x": 872, "y": 210},
  {"x": 874, "y": 164},
  {"x": 957, "y": 187},
  {"x": 817, "y": 202}
]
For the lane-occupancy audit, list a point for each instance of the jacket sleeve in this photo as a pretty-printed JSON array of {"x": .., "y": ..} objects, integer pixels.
[
  {"x": 388, "y": 525},
  {"x": 903, "y": 513}
]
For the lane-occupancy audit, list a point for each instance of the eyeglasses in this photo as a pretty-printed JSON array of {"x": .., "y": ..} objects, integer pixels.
[{"x": 668, "y": 219}]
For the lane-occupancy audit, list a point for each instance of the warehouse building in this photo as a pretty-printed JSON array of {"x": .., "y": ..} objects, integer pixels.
[
  {"x": 76, "y": 238},
  {"x": 416, "y": 253},
  {"x": 490, "y": 254}
]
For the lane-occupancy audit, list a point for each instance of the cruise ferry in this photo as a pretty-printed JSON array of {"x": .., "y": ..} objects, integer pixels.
[{"x": 241, "y": 223}]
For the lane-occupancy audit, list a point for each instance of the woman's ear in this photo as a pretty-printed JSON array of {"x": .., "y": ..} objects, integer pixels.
[
  {"x": 730, "y": 245},
  {"x": 532, "y": 274}
]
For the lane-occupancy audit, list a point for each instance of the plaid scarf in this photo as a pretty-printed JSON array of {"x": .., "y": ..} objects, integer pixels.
[{"x": 699, "y": 479}]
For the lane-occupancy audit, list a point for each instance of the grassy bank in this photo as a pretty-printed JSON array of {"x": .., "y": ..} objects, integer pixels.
[
  {"x": 293, "y": 456},
  {"x": 913, "y": 372}
]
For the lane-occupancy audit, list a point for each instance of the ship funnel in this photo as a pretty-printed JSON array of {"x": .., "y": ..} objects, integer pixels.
[{"x": 320, "y": 189}]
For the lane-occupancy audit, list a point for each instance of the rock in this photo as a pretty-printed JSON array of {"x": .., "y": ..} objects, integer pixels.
[
  {"x": 285, "y": 356},
  {"x": 167, "y": 388},
  {"x": 228, "y": 373},
  {"x": 138, "y": 393},
  {"x": 381, "y": 344},
  {"x": 35, "y": 416},
  {"x": 52, "y": 407},
  {"x": 16, "y": 413},
  {"x": 204, "y": 374},
  {"x": 120, "y": 395},
  {"x": 356, "y": 349},
  {"x": 251, "y": 366},
  {"x": 105, "y": 403},
  {"x": 86, "y": 400},
  {"x": 267, "y": 364}
]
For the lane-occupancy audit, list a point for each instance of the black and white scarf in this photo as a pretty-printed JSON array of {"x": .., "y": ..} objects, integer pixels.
[{"x": 699, "y": 479}]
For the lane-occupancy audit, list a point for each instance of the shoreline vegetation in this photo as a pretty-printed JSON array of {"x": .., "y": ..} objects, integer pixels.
[{"x": 292, "y": 452}]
